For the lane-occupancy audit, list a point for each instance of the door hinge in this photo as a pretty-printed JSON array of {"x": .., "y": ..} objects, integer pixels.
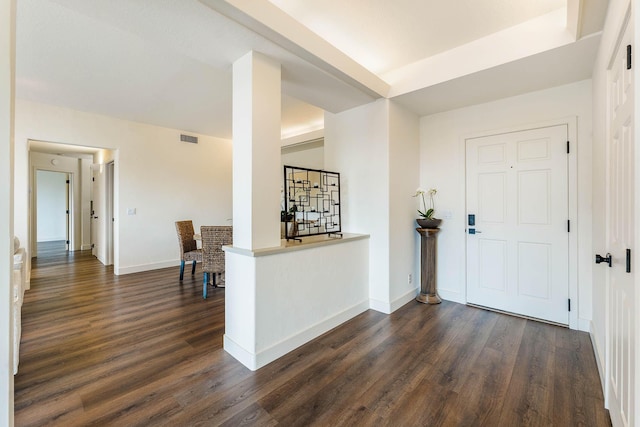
[
  {"x": 568, "y": 226},
  {"x": 67, "y": 242},
  {"x": 67, "y": 211},
  {"x": 628, "y": 57},
  {"x": 568, "y": 143},
  {"x": 68, "y": 181},
  {"x": 569, "y": 304},
  {"x": 93, "y": 178},
  {"x": 93, "y": 245}
]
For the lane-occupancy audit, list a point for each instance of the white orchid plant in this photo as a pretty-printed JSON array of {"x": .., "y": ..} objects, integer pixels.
[{"x": 426, "y": 213}]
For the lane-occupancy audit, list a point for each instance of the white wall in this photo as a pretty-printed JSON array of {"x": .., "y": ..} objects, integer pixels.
[
  {"x": 356, "y": 145},
  {"x": 613, "y": 24},
  {"x": 404, "y": 173},
  {"x": 163, "y": 178},
  {"x": 442, "y": 166},
  {"x": 307, "y": 155},
  {"x": 375, "y": 148},
  {"x": 52, "y": 206},
  {"x": 284, "y": 300}
]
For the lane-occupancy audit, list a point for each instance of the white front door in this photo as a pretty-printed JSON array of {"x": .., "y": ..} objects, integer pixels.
[
  {"x": 620, "y": 239},
  {"x": 517, "y": 220}
]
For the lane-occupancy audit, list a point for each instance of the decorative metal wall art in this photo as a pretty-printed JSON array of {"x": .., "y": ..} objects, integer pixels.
[{"x": 311, "y": 202}]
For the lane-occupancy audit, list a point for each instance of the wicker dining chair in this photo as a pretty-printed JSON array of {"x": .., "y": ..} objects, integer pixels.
[
  {"x": 188, "y": 249},
  {"x": 213, "y": 238}
]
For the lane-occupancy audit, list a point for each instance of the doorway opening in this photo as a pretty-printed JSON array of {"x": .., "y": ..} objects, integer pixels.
[
  {"x": 49, "y": 160},
  {"x": 53, "y": 211}
]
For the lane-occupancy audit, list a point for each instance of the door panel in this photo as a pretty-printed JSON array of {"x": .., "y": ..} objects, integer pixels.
[
  {"x": 98, "y": 214},
  {"x": 534, "y": 278},
  {"x": 492, "y": 258},
  {"x": 517, "y": 258},
  {"x": 534, "y": 194},
  {"x": 620, "y": 238},
  {"x": 492, "y": 197}
]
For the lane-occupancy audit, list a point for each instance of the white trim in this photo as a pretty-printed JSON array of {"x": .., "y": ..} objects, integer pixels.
[
  {"x": 147, "y": 267},
  {"x": 389, "y": 307},
  {"x": 243, "y": 356},
  {"x": 584, "y": 325},
  {"x": 600, "y": 361},
  {"x": 380, "y": 306},
  {"x": 262, "y": 358},
  {"x": 572, "y": 134},
  {"x": 404, "y": 299},
  {"x": 85, "y": 247},
  {"x": 453, "y": 296}
]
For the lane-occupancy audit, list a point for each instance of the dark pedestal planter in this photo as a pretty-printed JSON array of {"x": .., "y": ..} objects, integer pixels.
[{"x": 428, "y": 252}]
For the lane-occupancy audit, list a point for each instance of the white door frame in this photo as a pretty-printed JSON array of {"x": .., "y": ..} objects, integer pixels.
[
  {"x": 103, "y": 197},
  {"x": 572, "y": 132},
  {"x": 109, "y": 210}
]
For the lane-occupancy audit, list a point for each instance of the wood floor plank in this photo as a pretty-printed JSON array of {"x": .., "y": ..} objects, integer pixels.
[
  {"x": 531, "y": 392},
  {"x": 480, "y": 400},
  {"x": 146, "y": 350}
]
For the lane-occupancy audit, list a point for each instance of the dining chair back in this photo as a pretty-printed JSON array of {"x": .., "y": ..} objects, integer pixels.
[
  {"x": 213, "y": 238},
  {"x": 188, "y": 249}
]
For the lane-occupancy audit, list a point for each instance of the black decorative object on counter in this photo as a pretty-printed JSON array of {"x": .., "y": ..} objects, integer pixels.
[{"x": 311, "y": 202}]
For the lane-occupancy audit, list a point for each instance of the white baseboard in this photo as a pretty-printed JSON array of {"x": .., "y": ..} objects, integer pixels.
[
  {"x": 381, "y": 306},
  {"x": 85, "y": 247},
  {"x": 243, "y": 356},
  {"x": 388, "y": 308},
  {"x": 257, "y": 360},
  {"x": 584, "y": 325},
  {"x": 403, "y": 299},
  {"x": 599, "y": 357},
  {"x": 149, "y": 267},
  {"x": 452, "y": 296}
]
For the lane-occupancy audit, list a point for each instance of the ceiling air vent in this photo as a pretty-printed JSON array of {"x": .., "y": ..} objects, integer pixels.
[{"x": 189, "y": 138}]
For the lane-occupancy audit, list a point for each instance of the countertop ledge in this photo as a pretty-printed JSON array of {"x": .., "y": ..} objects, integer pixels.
[{"x": 292, "y": 245}]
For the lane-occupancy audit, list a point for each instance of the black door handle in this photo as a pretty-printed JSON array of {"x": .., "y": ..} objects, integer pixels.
[{"x": 606, "y": 259}]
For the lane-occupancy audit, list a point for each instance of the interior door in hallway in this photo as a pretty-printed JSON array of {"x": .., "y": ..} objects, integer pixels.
[
  {"x": 97, "y": 212},
  {"x": 517, "y": 237},
  {"x": 620, "y": 239}
]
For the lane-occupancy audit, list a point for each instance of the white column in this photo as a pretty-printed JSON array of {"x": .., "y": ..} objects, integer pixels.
[
  {"x": 256, "y": 196},
  {"x": 7, "y": 79},
  {"x": 256, "y": 152}
]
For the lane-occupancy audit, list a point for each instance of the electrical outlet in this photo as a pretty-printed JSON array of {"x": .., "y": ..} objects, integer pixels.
[{"x": 410, "y": 278}]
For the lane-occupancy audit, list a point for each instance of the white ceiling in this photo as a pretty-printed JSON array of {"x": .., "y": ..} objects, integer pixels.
[
  {"x": 384, "y": 35},
  {"x": 168, "y": 62}
]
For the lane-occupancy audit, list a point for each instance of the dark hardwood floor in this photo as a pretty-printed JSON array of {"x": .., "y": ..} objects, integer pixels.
[{"x": 141, "y": 349}]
